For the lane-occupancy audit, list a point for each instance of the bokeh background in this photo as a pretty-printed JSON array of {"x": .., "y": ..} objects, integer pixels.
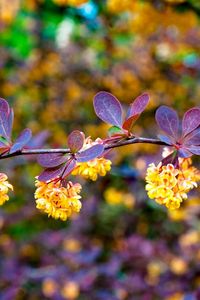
[{"x": 54, "y": 56}]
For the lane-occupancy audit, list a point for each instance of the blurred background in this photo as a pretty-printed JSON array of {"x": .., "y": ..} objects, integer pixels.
[{"x": 54, "y": 56}]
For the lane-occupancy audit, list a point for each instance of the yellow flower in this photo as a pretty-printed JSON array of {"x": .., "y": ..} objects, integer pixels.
[
  {"x": 178, "y": 266},
  {"x": 70, "y": 290},
  {"x": 58, "y": 201},
  {"x": 4, "y": 187},
  {"x": 93, "y": 168},
  {"x": 117, "y": 197},
  {"x": 169, "y": 186}
]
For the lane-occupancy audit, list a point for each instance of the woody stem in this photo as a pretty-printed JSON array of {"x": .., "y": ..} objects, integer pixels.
[{"x": 120, "y": 143}]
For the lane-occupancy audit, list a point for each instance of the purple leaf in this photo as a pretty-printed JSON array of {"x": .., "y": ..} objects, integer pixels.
[
  {"x": 191, "y": 120},
  {"x": 193, "y": 138},
  {"x": 128, "y": 123},
  {"x": 6, "y": 119},
  {"x": 184, "y": 153},
  {"x": 21, "y": 140},
  {"x": 138, "y": 106},
  {"x": 10, "y": 123},
  {"x": 194, "y": 149},
  {"x": 51, "y": 160},
  {"x": 108, "y": 108},
  {"x": 90, "y": 153},
  {"x": 75, "y": 140},
  {"x": 38, "y": 140},
  {"x": 69, "y": 168},
  {"x": 165, "y": 139},
  {"x": 51, "y": 173},
  {"x": 167, "y": 120}
]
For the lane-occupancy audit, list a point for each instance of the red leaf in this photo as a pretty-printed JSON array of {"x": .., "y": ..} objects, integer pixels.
[
  {"x": 191, "y": 120},
  {"x": 128, "y": 123},
  {"x": 90, "y": 153},
  {"x": 108, "y": 108},
  {"x": 51, "y": 173},
  {"x": 75, "y": 140},
  {"x": 21, "y": 140},
  {"x": 51, "y": 160},
  {"x": 167, "y": 120}
]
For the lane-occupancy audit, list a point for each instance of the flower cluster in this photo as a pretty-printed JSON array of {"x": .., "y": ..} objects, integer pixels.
[
  {"x": 56, "y": 200},
  {"x": 93, "y": 168},
  {"x": 169, "y": 185},
  {"x": 4, "y": 187}
]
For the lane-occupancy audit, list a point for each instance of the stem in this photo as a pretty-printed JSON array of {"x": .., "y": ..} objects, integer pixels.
[{"x": 127, "y": 141}]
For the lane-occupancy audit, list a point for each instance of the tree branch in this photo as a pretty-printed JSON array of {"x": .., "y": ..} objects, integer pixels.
[{"x": 124, "y": 142}]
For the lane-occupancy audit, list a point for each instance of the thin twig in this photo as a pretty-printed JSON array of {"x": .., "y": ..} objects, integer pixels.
[{"x": 127, "y": 141}]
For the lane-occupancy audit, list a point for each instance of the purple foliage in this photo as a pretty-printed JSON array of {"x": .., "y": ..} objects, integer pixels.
[
  {"x": 139, "y": 105},
  {"x": 6, "y": 119},
  {"x": 75, "y": 140},
  {"x": 191, "y": 120},
  {"x": 193, "y": 138},
  {"x": 23, "y": 138},
  {"x": 38, "y": 140},
  {"x": 69, "y": 167},
  {"x": 51, "y": 173},
  {"x": 108, "y": 108},
  {"x": 167, "y": 120},
  {"x": 188, "y": 142},
  {"x": 90, "y": 153},
  {"x": 51, "y": 160}
]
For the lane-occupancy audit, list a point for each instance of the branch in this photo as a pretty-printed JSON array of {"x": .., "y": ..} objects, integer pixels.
[{"x": 127, "y": 141}]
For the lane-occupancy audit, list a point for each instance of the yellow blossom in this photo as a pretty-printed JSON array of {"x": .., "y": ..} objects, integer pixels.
[
  {"x": 189, "y": 239},
  {"x": 117, "y": 197},
  {"x": 70, "y": 290},
  {"x": 4, "y": 187},
  {"x": 169, "y": 185},
  {"x": 49, "y": 287},
  {"x": 58, "y": 201},
  {"x": 178, "y": 266},
  {"x": 93, "y": 168}
]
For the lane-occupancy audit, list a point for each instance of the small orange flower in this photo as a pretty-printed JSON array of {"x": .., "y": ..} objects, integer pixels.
[
  {"x": 93, "y": 168},
  {"x": 58, "y": 201},
  {"x": 168, "y": 185},
  {"x": 4, "y": 187}
]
